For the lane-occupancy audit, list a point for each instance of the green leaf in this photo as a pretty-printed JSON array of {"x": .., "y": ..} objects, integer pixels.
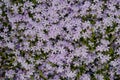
[
  {"x": 84, "y": 41},
  {"x": 32, "y": 78},
  {"x": 34, "y": 1},
  {"x": 112, "y": 39},
  {"x": 53, "y": 64},
  {"x": 36, "y": 57},
  {"x": 106, "y": 77},
  {"x": 82, "y": 69},
  {"x": 78, "y": 76},
  {"x": 17, "y": 1},
  {"x": 111, "y": 51},
  {"x": 93, "y": 77},
  {"x": 42, "y": 76},
  {"x": 92, "y": 22}
]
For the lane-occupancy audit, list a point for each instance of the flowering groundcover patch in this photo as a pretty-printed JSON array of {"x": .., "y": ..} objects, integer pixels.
[{"x": 59, "y": 39}]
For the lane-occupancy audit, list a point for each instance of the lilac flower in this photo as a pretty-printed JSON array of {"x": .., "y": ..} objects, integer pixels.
[
  {"x": 60, "y": 70},
  {"x": 99, "y": 77},
  {"x": 57, "y": 39},
  {"x": 85, "y": 77},
  {"x": 102, "y": 48},
  {"x": 71, "y": 74},
  {"x": 82, "y": 51},
  {"x": 104, "y": 58},
  {"x": 10, "y": 45},
  {"x": 10, "y": 73}
]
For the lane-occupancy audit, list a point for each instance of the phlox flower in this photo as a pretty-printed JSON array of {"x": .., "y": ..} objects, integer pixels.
[
  {"x": 71, "y": 74},
  {"x": 10, "y": 45},
  {"x": 85, "y": 77}
]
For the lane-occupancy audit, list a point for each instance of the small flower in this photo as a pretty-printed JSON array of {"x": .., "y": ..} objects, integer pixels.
[
  {"x": 104, "y": 58},
  {"x": 99, "y": 77},
  {"x": 82, "y": 51},
  {"x": 105, "y": 42},
  {"x": 10, "y": 45},
  {"x": 10, "y": 73},
  {"x": 102, "y": 48},
  {"x": 85, "y": 77},
  {"x": 71, "y": 74},
  {"x": 60, "y": 70}
]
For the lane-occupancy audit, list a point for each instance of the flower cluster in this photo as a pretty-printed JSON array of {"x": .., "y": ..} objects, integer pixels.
[{"x": 59, "y": 39}]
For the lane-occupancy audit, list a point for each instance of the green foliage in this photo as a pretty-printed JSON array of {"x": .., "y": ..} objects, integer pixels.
[
  {"x": 32, "y": 77},
  {"x": 106, "y": 77},
  {"x": 93, "y": 77},
  {"x": 33, "y": 1},
  {"x": 42, "y": 75},
  {"x": 53, "y": 64},
  {"x": 17, "y": 1},
  {"x": 90, "y": 18},
  {"x": 7, "y": 60},
  {"x": 40, "y": 56}
]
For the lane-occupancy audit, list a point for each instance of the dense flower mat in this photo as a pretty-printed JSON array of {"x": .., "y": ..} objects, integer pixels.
[{"x": 59, "y": 39}]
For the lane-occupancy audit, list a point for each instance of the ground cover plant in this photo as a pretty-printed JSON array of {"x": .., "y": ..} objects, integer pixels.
[{"x": 59, "y": 39}]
